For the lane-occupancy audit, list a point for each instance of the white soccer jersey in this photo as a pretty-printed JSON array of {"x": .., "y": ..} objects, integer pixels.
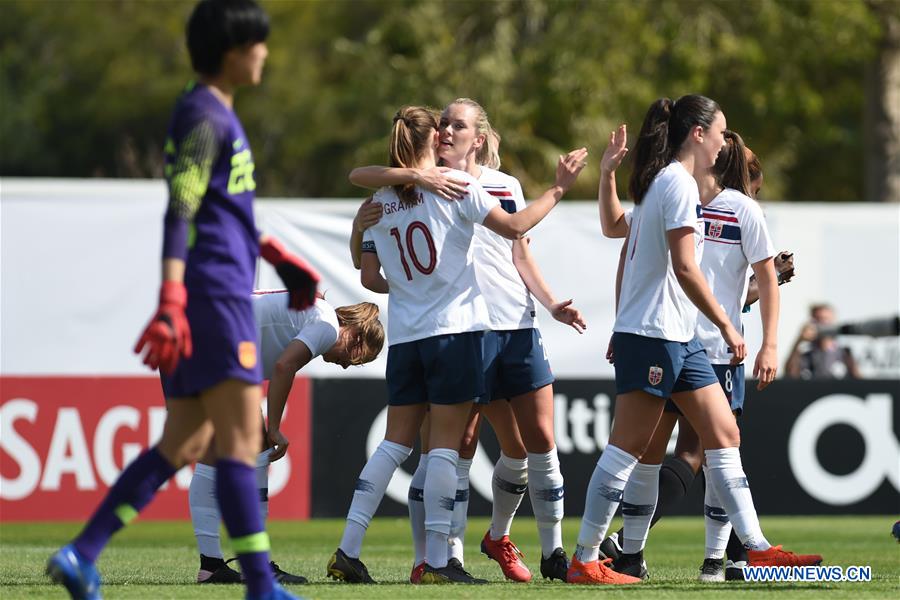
[
  {"x": 510, "y": 305},
  {"x": 736, "y": 237},
  {"x": 426, "y": 254},
  {"x": 277, "y": 326},
  {"x": 651, "y": 302}
]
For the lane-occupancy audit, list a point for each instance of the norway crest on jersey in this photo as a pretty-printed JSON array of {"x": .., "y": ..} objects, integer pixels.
[
  {"x": 655, "y": 375},
  {"x": 715, "y": 229}
]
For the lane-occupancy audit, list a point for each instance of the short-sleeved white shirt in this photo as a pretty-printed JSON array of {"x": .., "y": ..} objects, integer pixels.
[
  {"x": 277, "y": 326},
  {"x": 425, "y": 252},
  {"x": 651, "y": 302},
  {"x": 510, "y": 305},
  {"x": 736, "y": 237}
]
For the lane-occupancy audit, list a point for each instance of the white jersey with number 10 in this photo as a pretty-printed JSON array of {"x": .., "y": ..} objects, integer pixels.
[{"x": 425, "y": 251}]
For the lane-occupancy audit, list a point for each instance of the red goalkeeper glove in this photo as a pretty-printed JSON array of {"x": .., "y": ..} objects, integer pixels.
[
  {"x": 298, "y": 276},
  {"x": 168, "y": 336}
]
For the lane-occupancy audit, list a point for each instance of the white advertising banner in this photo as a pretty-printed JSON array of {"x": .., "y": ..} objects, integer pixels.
[{"x": 80, "y": 274}]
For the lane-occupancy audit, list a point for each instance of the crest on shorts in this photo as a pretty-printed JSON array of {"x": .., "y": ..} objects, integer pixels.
[
  {"x": 247, "y": 354},
  {"x": 655, "y": 375},
  {"x": 715, "y": 229}
]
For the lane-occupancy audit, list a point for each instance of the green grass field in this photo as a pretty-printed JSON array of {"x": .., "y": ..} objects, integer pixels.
[{"x": 158, "y": 560}]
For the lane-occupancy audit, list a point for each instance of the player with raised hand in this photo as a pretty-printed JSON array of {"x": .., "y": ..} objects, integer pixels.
[
  {"x": 657, "y": 355},
  {"x": 437, "y": 316},
  {"x": 736, "y": 237},
  {"x": 735, "y": 231},
  {"x": 288, "y": 341},
  {"x": 516, "y": 364},
  {"x": 206, "y": 347}
]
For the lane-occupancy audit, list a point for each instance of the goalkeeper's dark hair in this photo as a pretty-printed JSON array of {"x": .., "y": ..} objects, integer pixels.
[
  {"x": 666, "y": 126},
  {"x": 217, "y": 26},
  {"x": 731, "y": 169}
]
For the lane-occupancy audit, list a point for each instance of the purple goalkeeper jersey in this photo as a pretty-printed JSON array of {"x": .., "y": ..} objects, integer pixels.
[{"x": 209, "y": 221}]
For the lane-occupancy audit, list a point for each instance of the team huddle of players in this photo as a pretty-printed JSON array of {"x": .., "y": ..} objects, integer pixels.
[{"x": 445, "y": 236}]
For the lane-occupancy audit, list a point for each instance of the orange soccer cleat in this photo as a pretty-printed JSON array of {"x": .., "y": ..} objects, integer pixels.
[
  {"x": 508, "y": 556},
  {"x": 597, "y": 572},
  {"x": 775, "y": 556}
]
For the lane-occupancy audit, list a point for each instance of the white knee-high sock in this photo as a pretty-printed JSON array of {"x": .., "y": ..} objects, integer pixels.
[
  {"x": 638, "y": 506},
  {"x": 718, "y": 527},
  {"x": 726, "y": 474},
  {"x": 416, "y": 503},
  {"x": 603, "y": 496},
  {"x": 509, "y": 484},
  {"x": 546, "y": 490},
  {"x": 205, "y": 511},
  {"x": 262, "y": 482},
  {"x": 458, "y": 523},
  {"x": 440, "y": 496},
  {"x": 373, "y": 481}
]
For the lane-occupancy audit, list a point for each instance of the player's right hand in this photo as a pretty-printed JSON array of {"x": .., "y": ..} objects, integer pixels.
[
  {"x": 369, "y": 214},
  {"x": 569, "y": 167},
  {"x": 436, "y": 180},
  {"x": 168, "y": 335},
  {"x": 736, "y": 342},
  {"x": 615, "y": 151},
  {"x": 279, "y": 444}
]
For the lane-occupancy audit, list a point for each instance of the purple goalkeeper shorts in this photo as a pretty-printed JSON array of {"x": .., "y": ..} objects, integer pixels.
[{"x": 223, "y": 332}]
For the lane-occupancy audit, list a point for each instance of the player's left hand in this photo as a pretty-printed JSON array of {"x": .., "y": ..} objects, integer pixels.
[
  {"x": 564, "y": 312},
  {"x": 610, "y": 354},
  {"x": 298, "y": 276},
  {"x": 279, "y": 444},
  {"x": 766, "y": 367}
]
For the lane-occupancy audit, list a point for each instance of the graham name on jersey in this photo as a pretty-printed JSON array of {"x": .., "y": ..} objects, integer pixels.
[{"x": 392, "y": 207}]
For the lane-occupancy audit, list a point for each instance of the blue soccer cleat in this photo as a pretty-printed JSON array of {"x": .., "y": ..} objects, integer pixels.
[
  {"x": 895, "y": 531},
  {"x": 277, "y": 593},
  {"x": 80, "y": 577}
]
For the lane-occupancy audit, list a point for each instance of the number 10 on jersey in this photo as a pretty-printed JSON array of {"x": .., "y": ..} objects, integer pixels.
[{"x": 425, "y": 269}]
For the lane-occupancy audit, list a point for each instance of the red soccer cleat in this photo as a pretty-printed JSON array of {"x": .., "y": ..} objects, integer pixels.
[
  {"x": 597, "y": 572},
  {"x": 508, "y": 556},
  {"x": 775, "y": 556},
  {"x": 416, "y": 575}
]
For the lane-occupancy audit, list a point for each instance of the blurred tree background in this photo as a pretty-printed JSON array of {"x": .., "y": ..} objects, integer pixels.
[{"x": 86, "y": 87}]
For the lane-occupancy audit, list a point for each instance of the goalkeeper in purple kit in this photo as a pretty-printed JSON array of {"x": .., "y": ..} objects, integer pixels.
[{"x": 203, "y": 336}]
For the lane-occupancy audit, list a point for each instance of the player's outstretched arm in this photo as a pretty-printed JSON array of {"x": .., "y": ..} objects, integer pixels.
[
  {"x": 681, "y": 243},
  {"x": 299, "y": 277},
  {"x": 513, "y": 226},
  {"x": 434, "y": 179},
  {"x": 765, "y": 368},
  {"x": 531, "y": 275},
  {"x": 294, "y": 357},
  {"x": 612, "y": 216}
]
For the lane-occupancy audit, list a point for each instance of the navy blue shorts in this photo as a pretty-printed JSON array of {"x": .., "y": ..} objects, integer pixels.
[
  {"x": 731, "y": 378},
  {"x": 223, "y": 333},
  {"x": 444, "y": 369},
  {"x": 660, "y": 367},
  {"x": 515, "y": 362}
]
